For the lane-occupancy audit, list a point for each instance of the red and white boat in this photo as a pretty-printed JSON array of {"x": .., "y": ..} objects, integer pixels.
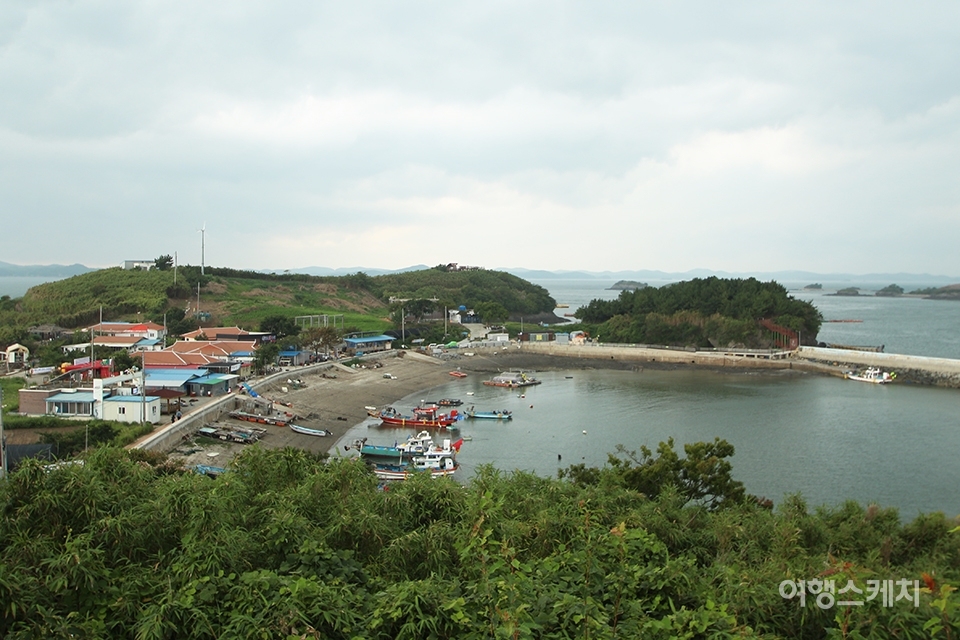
[{"x": 429, "y": 416}]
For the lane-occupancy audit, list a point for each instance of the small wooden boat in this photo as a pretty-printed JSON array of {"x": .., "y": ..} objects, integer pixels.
[
  {"x": 488, "y": 415},
  {"x": 446, "y": 402},
  {"x": 307, "y": 431},
  {"x": 458, "y": 374},
  {"x": 277, "y": 421}
]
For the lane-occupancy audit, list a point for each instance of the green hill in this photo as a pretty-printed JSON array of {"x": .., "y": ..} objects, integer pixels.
[{"x": 245, "y": 298}]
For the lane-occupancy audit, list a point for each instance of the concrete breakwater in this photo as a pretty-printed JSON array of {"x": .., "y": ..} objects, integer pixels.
[
  {"x": 944, "y": 372},
  {"x": 941, "y": 372}
]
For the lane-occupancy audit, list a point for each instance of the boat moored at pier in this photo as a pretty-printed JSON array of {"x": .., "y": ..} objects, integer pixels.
[{"x": 872, "y": 375}]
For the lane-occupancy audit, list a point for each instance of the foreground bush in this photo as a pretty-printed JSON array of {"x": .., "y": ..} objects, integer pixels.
[{"x": 285, "y": 545}]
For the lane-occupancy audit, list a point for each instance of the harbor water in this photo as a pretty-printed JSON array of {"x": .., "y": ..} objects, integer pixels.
[{"x": 826, "y": 438}]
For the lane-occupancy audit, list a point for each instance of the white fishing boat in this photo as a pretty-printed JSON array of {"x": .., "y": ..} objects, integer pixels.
[
  {"x": 872, "y": 375},
  {"x": 307, "y": 431}
]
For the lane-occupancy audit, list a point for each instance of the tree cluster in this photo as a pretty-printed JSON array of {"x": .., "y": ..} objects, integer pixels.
[
  {"x": 285, "y": 545},
  {"x": 700, "y": 312}
]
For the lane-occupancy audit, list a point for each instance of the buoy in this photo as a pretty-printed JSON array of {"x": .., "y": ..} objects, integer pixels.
[
  {"x": 531, "y": 406},
  {"x": 584, "y": 432}
]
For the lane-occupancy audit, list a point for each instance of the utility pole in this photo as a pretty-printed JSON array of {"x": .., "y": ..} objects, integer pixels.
[
  {"x": 3, "y": 441},
  {"x": 203, "y": 231}
]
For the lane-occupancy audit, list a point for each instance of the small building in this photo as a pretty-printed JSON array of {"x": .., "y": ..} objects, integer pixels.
[
  {"x": 293, "y": 358},
  {"x": 143, "y": 265},
  {"x": 371, "y": 344},
  {"x": 537, "y": 336},
  {"x": 15, "y": 354},
  {"x": 130, "y": 408},
  {"x": 498, "y": 337},
  {"x": 69, "y": 403},
  {"x": 49, "y": 332},
  {"x": 214, "y": 384}
]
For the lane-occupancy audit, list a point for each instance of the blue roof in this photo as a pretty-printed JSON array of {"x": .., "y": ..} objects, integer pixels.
[
  {"x": 380, "y": 338},
  {"x": 290, "y": 353},
  {"x": 131, "y": 399},
  {"x": 79, "y": 396},
  {"x": 174, "y": 373}
]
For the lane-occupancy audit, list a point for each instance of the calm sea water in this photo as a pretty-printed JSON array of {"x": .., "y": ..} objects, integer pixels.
[{"x": 826, "y": 438}]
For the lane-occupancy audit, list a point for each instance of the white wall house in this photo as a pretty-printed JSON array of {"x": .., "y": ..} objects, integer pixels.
[{"x": 129, "y": 408}]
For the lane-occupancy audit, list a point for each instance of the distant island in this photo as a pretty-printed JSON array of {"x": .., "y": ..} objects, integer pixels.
[
  {"x": 849, "y": 291},
  {"x": 890, "y": 291},
  {"x": 627, "y": 285},
  {"x": 816, "y": 286},
  {"x": 950, "y": 292}
]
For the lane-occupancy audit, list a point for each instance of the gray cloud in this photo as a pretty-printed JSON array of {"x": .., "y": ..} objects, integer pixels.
[{"x": 548, "y": 135}]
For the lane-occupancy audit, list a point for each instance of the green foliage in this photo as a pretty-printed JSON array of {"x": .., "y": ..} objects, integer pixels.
[
  {"x": 287, "y": 545},
  {"x": 469, "y": 287},
  {"x": 280, "y": 326},
  {"x": 265, "y": 357},
  {"x": 163, "y": 263},
  {"x": 700, "y": 312},
  {"x": 11, "y": 395}
]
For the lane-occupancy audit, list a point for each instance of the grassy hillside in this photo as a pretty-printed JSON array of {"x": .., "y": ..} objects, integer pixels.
[
  {"x": 245, "y": 298},
  {"x": 470, "y": 288}
]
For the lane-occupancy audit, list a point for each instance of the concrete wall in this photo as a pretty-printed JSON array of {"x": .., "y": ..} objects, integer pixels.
[
  {"x": 34, "y": 401},
  {"x": 944, "y": 372},
  {"x": 631, "y": 353}
]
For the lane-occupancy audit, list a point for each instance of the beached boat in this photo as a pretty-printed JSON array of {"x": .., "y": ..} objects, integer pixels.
[
  {"x": 458, "y": 374},
  {"x": 277, "y": 420},
  {"x": 512, "y": 380},
  {"x": 499, "y": 414},
  {"x": 871, "y": 374},
  {"x": 422, "y": 417},
  {"x": 307, "y": 431}
]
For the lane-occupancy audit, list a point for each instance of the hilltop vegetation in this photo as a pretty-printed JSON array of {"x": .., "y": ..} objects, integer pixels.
[
  {"x": 247, "y": 298},
  {"x": 468, "y": 287},
  {"x": 700, "y": 312},
  {"x": 287, "y": 546}
]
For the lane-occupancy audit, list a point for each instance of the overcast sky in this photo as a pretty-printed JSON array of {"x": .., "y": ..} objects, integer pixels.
[{"x": 754, "y": 136}]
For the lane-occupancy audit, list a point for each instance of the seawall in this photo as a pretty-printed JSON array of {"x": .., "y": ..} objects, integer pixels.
[{"x": 944, "y": 372}]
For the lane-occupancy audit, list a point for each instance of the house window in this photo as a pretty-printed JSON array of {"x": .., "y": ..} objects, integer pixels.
[{"x": 122, "y": 410}]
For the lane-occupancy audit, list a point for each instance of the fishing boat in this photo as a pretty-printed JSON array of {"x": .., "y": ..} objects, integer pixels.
[
  {"x": 277, "y": 421},
  {"x": 422, "y": 417},
  {"x": 872, "y": 375},
  {"x": 447, "y": 402},
  {"x": 417, "y": 455},
  {"x": 512, "y": 380},
  {"x": 419, "y": 465},
  {"x": 420, "y": 445},
  {"x": 499, "y": 414},
  {"x": 307, "y": 431}
]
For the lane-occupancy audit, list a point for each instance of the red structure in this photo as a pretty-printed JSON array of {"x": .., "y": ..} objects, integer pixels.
[
  {"x": 782, "y": 337},
  {"x": 87, "y": 370}
]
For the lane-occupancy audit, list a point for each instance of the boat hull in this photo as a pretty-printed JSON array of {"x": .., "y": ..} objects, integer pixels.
[
  {"x": 385, "y": 472},
  {"x": 307, "y": 431}
]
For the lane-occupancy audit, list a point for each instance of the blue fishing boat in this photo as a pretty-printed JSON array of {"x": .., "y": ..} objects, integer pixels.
[{"x": 499, "y": 414}]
